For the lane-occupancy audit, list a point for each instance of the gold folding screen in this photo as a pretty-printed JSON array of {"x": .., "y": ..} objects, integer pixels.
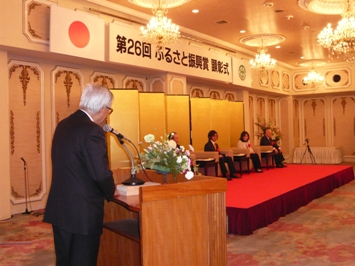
[
  {"x": 124, "y": 119},
  {"x": 152, "y": 114},
  {"x": 236, "y": 121},
  {"x": 227, "y": 118},
  {"x": 200, "y": 121},
  {"x": 178, "y": 117},
  {"x": 137, "y": 114}
]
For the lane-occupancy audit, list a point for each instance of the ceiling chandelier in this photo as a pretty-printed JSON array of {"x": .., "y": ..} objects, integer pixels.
[
  {"x": 262, "y": 61},
  {"x": 160, "y": 31},
  {"x": 313, "y": 79},
  {"x": 341, "y": 41}
]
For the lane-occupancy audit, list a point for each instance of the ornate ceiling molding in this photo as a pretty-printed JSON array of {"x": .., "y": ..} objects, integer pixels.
[
  {"x": 258, "y": 40},
  {"x": 327, "y": 7}
]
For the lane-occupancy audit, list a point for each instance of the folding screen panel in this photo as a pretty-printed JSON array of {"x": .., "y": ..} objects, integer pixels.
[
  {"x": 152, "y": 115},
  {"x": 200, "y": 121},
  {"x": 236, "y": 121},
  {"x": 178, "y": 117},
  {"x": 124, "y": 119},
  {"x": 220, "y": 121}
]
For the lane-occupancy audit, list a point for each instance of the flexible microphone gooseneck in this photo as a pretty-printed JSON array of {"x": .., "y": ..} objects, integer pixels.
[{"x": 133, "y": 180}]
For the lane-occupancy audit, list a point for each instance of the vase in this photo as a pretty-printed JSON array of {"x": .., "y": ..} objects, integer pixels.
[{"x": 164, "y": 173}]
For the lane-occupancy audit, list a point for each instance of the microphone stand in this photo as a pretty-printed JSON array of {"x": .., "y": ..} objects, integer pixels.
[
  {"x": 308, "y": 148},
  {"x": 25, "y": 176},
  {"x": 133, "y": 180}
]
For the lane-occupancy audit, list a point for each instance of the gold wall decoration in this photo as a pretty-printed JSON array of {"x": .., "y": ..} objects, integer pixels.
[
  {"x": 36, "y": 18},
  {"x": 196, "y": 93},
  {"x": 272, "y": 110},
  {"x": 343, "y": 103},
  {"x": 296, "y": 123},
  {"x": 314, "y": 112},
  {"x": 12, "y": 132},
  {"x": 215, "y": 95},
  {"x": 68, "y": 81},
  {"x": 305, "y": 127},
  {"x": 314, "y": 105},
  {"x": 260, "y": 107},
  {"x": 343, "y": 131},
  {"x": 104, "y": 80},
  {"x": 229, "y": 96},
  {"x": 25, "y": 105},
  {"x": 134, "y": 84},
  {"x": 38, "y": 131},
  {"x": 24, "y": 77}
]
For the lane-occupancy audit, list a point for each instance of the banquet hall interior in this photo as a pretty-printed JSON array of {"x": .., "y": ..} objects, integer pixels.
[{"x": 230, "y": 66}]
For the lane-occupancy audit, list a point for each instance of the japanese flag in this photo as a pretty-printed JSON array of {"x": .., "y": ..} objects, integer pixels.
[{"x": 76, "y": 33}]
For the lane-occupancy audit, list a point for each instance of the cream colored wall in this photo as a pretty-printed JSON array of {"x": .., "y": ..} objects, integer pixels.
[{"x": 5, "y": 211}]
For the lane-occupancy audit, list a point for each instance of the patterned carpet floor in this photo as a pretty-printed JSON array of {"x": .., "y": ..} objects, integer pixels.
[{"x": 320, "y": 234}]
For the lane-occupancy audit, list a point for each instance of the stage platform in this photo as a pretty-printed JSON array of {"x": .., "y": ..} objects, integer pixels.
[{"x": 256, "y": 200}]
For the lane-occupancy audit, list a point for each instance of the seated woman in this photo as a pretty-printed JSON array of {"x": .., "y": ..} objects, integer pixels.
[{"x": 244, "y": 143}]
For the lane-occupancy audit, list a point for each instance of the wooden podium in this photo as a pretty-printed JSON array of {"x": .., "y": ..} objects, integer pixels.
[{"x": 179, "y": 223}]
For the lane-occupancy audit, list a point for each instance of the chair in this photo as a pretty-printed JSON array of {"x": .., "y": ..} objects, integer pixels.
[
  {"x": 267, "y": 153},
  {"x": 240, "y": 155},
  {"x": 206, "y": 159}
]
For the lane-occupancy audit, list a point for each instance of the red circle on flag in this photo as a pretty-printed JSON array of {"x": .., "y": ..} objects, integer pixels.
[{"x": 79, "y": 34}]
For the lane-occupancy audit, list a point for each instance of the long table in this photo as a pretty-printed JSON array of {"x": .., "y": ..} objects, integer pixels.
[{"x": 322, "y": 155}]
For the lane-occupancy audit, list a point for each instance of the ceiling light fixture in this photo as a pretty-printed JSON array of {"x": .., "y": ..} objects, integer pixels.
[
  {"x": 262, "y": 61},
  {"x": 160, "y": 31},
  {"x": 313, "y": 79},
  {"x": 341, "y": 41}
]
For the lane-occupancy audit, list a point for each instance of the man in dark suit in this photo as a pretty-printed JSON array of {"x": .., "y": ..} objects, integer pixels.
[
  {"x": 267, "y": 140},
  {"x": 211, "y": 145},
  {"x": 81, "y": 180}
]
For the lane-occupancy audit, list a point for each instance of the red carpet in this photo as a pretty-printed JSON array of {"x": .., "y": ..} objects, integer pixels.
[{"x": 257, "y": 200}]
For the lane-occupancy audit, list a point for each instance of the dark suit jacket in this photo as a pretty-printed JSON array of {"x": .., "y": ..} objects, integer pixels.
[
  {"x": 210, "y": 147},
  {"x": 81, "y": 178},
  {"x": 264, "y": 141}
]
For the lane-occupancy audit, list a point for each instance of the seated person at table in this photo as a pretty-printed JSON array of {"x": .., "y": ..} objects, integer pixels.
[
  {"x": 211, "y": 145},
  {"x": 267, "y": 140},
  {"x": 244, "y": 143},
  {"x": 175, "y": 137}
]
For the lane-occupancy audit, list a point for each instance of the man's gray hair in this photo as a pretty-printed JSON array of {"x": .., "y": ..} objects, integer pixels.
[{"x": 95, "y": 97}]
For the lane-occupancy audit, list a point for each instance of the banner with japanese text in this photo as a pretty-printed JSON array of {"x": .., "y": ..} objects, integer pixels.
[{"x": 127, "y": 47}]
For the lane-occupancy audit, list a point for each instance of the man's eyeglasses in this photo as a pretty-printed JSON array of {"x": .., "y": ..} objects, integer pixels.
[{"x": 110, "y": 110}]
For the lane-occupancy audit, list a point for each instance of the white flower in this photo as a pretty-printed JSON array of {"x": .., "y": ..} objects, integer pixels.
[
  {"x": 179, "y": 159},
  {"x": 189, "y": 175},
  {"x": 182, "y": 148},
  {"x": 187, "y": 152},
  {"x": 172, "y": 144},
  {"x": 149, "y": 138}
]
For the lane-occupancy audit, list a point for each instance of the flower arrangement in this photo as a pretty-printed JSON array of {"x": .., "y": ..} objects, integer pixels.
[
  {"x": 166, "y": 157},
  {"x": 276, "y": 132}
]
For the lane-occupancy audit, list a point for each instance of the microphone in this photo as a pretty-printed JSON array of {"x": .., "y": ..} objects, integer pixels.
[
  {"x": 108, "y": 128},
  {"x": 23, "y": 160}
]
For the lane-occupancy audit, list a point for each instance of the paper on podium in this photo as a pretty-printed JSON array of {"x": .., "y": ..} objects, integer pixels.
[{"x": 133, "y": 190}]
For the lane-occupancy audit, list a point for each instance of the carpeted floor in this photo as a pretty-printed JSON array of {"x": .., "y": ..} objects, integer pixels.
[{"x": 319, "y": 234}]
